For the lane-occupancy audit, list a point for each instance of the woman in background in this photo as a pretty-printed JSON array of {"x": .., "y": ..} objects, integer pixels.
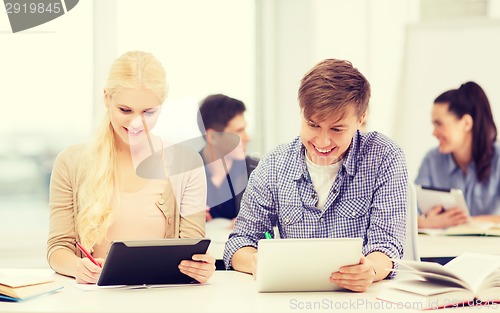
[
  {"x": 97, "y": 197},
  {"x": 467, "y": 157}
]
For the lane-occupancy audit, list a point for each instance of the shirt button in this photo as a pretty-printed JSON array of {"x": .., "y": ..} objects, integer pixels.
[
  {"x": 287, "y": 220},
  {"x": 161, "y": 201},
  {"x": 313, "y": 196},
  {"x": 169, "y": 221},
  {"x": 353, "y": 213},
  {"x": 322, "y": 220}
]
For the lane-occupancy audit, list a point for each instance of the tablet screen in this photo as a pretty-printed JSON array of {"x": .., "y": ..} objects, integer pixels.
[
  {"x": 150, "y": 262},
  {"x": 428, "y": 197}
]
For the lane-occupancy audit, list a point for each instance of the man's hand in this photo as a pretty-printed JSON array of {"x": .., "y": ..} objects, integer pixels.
[{"x": 355, "y": 277}]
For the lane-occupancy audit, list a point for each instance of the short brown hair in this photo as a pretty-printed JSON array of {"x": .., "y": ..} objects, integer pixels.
[
  {"x": 216, "y": 111},
  {"x": 330, "y": 87}
]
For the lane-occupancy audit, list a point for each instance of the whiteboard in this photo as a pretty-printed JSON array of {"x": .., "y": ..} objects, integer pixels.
[{"x": 439, "y": 57}]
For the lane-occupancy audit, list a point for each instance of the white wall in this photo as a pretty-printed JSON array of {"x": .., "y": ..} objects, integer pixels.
[
  {"x": 46, "y": 104},
  {"x": 407, "y": 66},
  {"x": 46, "y": 76},
  {"x": 368, "y": 33},
  {"x": 206, "y": 47},
  {"x": 438, "y": 57},
  {"x": 284, "y": 49}
]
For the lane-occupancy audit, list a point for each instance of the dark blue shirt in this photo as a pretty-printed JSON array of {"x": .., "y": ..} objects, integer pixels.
[{"x": 224, "y": 200}]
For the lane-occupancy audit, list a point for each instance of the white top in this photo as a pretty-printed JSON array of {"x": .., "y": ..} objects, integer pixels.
[{"x": 322, "y": 177}]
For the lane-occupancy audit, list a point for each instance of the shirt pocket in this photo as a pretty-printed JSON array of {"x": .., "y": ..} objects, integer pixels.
[
  {"x": 352, "y": 215},
  {"x": 353, "y": 208},
  {"x": 291, "y": 223}
]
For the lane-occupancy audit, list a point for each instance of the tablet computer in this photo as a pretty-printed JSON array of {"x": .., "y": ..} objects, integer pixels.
[
  {"x": 303, "y": 264},
  {"x": 149, "y": 262},
  {"x": 428, "y": 197}
]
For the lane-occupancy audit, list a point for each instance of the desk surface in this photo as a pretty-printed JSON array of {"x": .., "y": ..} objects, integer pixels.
[
  {"x": 429, "y": 246},
  {"x": 228, "y": 291},
  {"x": 452, "y": 246},
  {"x": 218, "y": 231}
]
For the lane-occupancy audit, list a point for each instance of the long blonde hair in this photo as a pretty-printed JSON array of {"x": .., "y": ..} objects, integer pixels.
[{"x": 96, "y": 172}]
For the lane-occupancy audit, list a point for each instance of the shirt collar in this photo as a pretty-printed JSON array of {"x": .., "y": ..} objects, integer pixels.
[
  {"x": 352, "y": 154},
  {"x": 298, "y": 167},
  {"x": 453, "y": 167}
]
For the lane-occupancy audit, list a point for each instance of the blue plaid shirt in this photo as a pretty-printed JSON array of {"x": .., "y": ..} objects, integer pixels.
[{"x": 366, "y": 200}]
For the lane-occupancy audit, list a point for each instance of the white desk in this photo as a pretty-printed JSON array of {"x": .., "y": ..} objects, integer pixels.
[
  {"x": 218, "y": 231},
  {"x": 451, "y": 246},
  {"x": 228, "y": 291},
  {"x": 429, "y": 246}
]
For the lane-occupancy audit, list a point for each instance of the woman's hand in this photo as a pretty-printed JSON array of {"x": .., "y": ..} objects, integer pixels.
[
  {"x": 201, "y": 268},
  {"x": 355, "y": 277},
  {"x": 87, "y": 272},
  {"x": 437, "y": 217}
]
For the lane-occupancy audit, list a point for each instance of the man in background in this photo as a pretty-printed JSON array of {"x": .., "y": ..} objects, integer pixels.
[{"x": 226, "y": 165}]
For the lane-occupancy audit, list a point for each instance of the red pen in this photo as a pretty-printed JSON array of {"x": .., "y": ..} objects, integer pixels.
[{"x": 88, "y": 255}]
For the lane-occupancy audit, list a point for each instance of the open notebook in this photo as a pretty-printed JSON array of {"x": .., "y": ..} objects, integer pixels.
[{"x": 468, "y": 280}]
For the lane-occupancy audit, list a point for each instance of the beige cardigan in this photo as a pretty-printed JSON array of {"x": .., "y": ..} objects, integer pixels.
[{"x": 186, "y": 193}]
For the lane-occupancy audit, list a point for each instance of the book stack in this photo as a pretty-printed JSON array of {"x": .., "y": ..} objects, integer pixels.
[{"x": 16, "y": 287}]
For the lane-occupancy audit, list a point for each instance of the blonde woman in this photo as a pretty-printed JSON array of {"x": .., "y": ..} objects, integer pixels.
[{"x": 97, "y": 197}]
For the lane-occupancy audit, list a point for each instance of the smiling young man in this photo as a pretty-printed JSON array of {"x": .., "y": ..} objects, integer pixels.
[{"x": 331, "y": 181}]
